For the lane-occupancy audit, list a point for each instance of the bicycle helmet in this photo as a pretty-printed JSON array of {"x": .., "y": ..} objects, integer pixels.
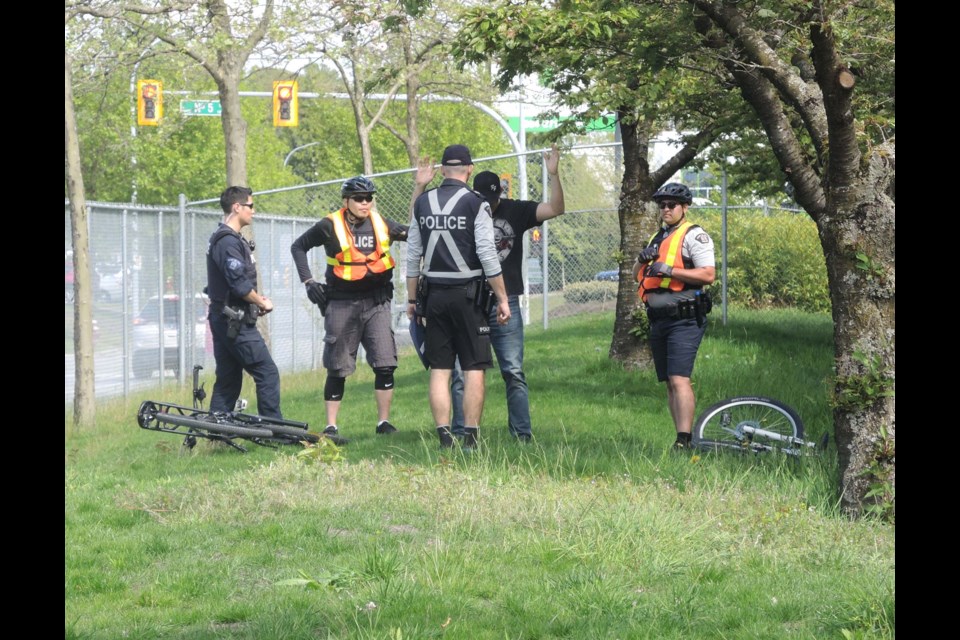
[
  {"x": 357, "y": 184},
  {"x": 679, "y": 192}
]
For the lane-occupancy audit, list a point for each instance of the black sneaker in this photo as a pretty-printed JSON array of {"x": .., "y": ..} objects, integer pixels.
[
  {"x": 333, "y": 435},
  {"x": 446, "y": 438},
  {"x": 385, "y": 427},
  {"x": 682, "y": 444},
  {"x": 470, "y": 439},
  {"x": 524, "y": 438}
]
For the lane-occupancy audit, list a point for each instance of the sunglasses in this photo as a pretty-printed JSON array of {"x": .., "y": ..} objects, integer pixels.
[
  {"x": 246, "y": 204},
  {"x": 669, "y": 205},
  {"x": 362, "y": 198}
]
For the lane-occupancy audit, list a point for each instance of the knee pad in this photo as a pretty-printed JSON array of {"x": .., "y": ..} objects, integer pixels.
[
  {"x": 333, "y": 389},
  {"x": 383, "y": 379}
]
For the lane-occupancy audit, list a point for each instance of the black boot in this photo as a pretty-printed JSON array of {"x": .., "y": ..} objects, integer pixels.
[{"x": 446, "y": 438}]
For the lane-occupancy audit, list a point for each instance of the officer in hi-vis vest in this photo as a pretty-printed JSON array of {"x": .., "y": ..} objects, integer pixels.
[
  {"x": 672, "y": 270},
  {"x": 356, "y": 297},
  {"x": 452, "y": 231}
]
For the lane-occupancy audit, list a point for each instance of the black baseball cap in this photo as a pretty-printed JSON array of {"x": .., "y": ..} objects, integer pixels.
[
  {"x": 456, "y": 155},
  {"x": 487, "y": 184}
]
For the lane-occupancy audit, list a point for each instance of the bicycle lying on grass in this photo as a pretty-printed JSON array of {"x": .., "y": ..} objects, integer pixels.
[
  {"x": 755, "y": 424},
  {"x": 222, "y": 426}
]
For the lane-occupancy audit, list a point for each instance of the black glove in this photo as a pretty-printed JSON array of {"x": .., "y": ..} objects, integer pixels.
[
  {"x": 317, "y": 294},
  {"x": 649, "y": 254},
  {"x": 660, "y": 270}
]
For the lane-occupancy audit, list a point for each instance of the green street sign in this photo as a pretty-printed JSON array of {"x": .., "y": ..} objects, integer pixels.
[{"x": 200, "y": 107}]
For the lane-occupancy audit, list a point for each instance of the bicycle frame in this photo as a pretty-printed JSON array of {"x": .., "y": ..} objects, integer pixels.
[
  {"x": 746, "y": 432},
  {"x": 223, "y": 426}
]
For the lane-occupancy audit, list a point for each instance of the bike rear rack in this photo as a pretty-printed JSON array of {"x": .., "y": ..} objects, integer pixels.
[{"x": 222, "y": 426}]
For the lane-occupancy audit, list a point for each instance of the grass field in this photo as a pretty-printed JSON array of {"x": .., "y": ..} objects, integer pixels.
[{"x": 596, "y": 530}]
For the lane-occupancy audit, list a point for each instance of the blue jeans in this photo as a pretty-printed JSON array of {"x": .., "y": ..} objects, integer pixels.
[{"x": 507, "y": 341}]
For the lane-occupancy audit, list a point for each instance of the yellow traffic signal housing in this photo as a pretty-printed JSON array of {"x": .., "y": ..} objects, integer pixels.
[
  {"x": 286, "y": 107},
  {"x": 149, "y": 102}
]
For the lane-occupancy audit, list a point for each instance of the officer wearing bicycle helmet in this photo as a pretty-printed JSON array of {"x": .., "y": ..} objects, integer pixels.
[
  {"x": 672, "y": 270},
  {"x": 356, "y": 296}
]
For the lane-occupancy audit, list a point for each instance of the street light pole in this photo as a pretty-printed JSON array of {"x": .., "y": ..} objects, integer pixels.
[{"x": 295, "y": 149}]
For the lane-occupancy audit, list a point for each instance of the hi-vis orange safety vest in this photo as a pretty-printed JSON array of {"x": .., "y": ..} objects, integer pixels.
[
  {"x": 351, "y": 263},
  {"x": 671, "y": 254}
]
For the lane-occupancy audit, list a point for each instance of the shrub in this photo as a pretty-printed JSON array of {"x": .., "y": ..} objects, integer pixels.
[
  {"x": 580, "y": 292},
  {"x": 773, "y": 261}
]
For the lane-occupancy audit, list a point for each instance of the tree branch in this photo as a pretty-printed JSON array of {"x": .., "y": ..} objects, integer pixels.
[
  {"x": 844, "y": 163},
  {"x": 686, "y": 153},
  {"x": 805, "y": 97}
]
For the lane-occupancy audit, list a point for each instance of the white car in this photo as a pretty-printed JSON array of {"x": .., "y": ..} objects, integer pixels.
[{"x": 146, "y": 335}]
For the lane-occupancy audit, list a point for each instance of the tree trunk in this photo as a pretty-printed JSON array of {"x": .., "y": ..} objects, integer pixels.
[
  {"x": 84, "y": 398},
  {"x": 365, "y": 150},
  {"x": 234, "y": 127},
  {"x": 412, "y": 115},
  {"x": 859, "y": 244},
  {"x": 638, "y": 221}
]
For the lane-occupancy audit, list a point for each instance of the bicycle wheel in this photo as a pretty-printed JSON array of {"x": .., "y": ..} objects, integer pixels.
[{"x": 720, "y": 426}]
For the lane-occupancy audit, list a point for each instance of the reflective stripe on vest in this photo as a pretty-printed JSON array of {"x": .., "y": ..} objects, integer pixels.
[
  {"x": 351, "y": 263},
  {"x": 671, "y": 254},
  {"x": 438, "y": 235}
]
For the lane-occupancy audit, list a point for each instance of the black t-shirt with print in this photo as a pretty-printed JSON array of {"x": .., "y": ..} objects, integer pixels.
[{"x": 510, "y": 221}]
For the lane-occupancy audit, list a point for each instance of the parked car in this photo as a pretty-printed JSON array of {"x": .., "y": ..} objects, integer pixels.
[
  {"x": 608, "y": 276},
  {"x": 110, "y": 285},
  {"x": 146, "y": 333}
]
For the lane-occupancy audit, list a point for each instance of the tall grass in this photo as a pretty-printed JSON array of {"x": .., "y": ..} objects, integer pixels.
[{"x": 596, "y": 530}]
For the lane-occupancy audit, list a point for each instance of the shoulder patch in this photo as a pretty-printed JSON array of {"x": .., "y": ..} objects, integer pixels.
[
  {"x": 234, "y": 266},
  {"x": 702, "y": 238}
]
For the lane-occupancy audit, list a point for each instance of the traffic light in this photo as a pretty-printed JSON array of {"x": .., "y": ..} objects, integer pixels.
[
  {"x": 149, "y": 102},
  {"x": 286, "y": 109}
]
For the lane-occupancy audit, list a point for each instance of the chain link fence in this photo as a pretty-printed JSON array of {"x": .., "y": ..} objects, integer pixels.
[{"x": 147, "y": 260}]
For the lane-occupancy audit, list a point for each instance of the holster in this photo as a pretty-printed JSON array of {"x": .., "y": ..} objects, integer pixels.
[
  {"x": 235, "y": 317},
  {"x": 423, "y": 291},
  {"x": 240, "y": 315},
  {"x": 480, "y": 292},
  {"x": 697, "y": 308}
]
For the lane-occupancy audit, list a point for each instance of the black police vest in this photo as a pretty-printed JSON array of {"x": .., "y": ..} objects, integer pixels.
[
  {"x": 447, "y": 218},
  {"x": 217, "y": 287}
]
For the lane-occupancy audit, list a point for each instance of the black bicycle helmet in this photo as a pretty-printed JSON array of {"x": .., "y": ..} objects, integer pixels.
[
  {"x": 357, "y": 184},
  {"x": 676, "y": 191}
]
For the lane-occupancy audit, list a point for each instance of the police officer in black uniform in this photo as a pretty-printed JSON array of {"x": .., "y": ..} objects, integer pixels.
[
  {"x": 452, "y": 231},
  {"x": 234, "y": 308},
  {"x": 356, "y": 298}
]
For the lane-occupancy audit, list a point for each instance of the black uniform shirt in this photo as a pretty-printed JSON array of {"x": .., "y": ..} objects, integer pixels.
[{"x": 231, "y": 269}]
